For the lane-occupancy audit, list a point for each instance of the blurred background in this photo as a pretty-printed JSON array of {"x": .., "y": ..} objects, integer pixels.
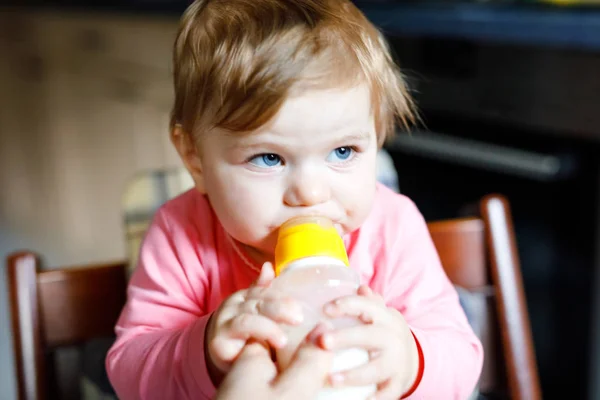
[{"x": 508, "y": 92}]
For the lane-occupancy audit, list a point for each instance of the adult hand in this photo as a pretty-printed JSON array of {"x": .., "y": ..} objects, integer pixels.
[{"x": 254, "y": 374}]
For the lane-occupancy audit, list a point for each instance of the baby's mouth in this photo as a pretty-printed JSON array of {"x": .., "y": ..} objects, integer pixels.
[{"x": 337, "y": 225}]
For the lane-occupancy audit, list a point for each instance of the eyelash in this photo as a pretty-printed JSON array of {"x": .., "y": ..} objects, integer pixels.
[{"x": 355, "y": 151}]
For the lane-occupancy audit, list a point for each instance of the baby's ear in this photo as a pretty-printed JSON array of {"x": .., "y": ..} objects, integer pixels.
[{"x": 189, "y": 154}]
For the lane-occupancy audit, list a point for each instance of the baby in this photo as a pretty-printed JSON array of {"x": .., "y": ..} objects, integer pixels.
[{"x": 280, "y": 108}]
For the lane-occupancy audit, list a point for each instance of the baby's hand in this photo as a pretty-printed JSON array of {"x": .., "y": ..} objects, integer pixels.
[
  {"x": 253, "y": 313},
  {"x": 394, "y": 357}
]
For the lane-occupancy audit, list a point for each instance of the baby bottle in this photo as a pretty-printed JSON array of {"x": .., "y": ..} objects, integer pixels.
[{"x": 312, "y": 266}]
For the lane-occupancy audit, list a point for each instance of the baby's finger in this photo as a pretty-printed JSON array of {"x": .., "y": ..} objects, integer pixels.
[
  {"x": 258, "y": 327},
  {"x": 368, "y": 337},
  {"x": 312, "y": 364},
  {"x": 261, "y": 292},
  {"x": 267, "y": 274},
  {"x": 372, "y": 372},
  {"x": 364, "y": 290},
  {"x": 253, "y": 370},
  {"x": 249, "y": 306},
  {"x": 281, "y": 310},
  {"x": 390, "y": 390},
  {"x": 224, "y": 350},
  {"x": 321, "y": 328},
  {"x": 367, "y": 309},
  {"x": 226, "y": 345},
  {"x": 230, "y": 306},
  {"x": 256, "y": 357}
]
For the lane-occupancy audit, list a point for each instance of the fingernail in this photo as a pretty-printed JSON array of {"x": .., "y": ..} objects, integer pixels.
[
  {"x": 326, "y": 340},
  {"x": 297, "y": 318},
  {"x": 329, "y": 308},
  {"x": 314, "y": 336},
  {"x": 365, "y": 318},
  {"x": 282, "y": 341},
  {"x": 327, "y": 325},
  {"x": 336, "y": 379}
]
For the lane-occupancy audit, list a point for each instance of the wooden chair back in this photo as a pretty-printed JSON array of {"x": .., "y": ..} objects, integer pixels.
[
  {"x": 480, "y": 255},
  {"x": 67, "y": 306},
  {"x": 55, "y": 308}
]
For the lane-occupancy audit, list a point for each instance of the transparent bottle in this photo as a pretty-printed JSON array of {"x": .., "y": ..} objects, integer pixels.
[{"x": 312, "y": 266}]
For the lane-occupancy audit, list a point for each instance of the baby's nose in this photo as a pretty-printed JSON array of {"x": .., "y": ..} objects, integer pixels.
[{"x": 308, "y": 190}]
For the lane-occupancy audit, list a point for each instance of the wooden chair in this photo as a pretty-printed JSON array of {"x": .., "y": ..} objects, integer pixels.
[
  {"x": 56, "y": 308},
  {"x": 479, "y": 254},
  {"x": 67, "y": 306}
]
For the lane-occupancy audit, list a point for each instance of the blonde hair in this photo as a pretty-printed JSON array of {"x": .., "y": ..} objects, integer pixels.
[{"x": 236, "y": 61}]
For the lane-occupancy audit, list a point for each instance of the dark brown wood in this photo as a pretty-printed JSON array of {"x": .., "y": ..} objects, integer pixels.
[
  {"x": 58, "y": 307},
  {"x": 26, "y": 329},
  {"x": 461, "y": 246},
  {"x": 462, "y": 249},
  {"x": 82, "y": 303},
  {"x": 480, "y": 254},
  {"x": 521, "y": 366}
]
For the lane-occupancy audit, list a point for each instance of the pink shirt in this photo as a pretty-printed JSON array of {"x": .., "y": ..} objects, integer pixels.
[{"x": 188, "y": 266}]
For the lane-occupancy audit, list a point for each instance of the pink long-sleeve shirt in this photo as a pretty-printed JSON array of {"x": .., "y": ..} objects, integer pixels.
[{"x": 188, "y": 266}]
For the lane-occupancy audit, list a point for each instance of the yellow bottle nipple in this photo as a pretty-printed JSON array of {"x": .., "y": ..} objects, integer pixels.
[{"x": 308, "y": 237}]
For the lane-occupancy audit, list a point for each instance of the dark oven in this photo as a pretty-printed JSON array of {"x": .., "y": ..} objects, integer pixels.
[{"x": 523, "y": 122}]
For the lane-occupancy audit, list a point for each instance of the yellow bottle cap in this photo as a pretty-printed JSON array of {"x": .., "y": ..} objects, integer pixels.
[{"x": 308, "y": 237}]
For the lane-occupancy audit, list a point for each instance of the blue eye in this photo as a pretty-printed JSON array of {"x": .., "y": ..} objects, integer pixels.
[
  {"x": 266, "y": 160},
  {"x": 340, "y": 154}
]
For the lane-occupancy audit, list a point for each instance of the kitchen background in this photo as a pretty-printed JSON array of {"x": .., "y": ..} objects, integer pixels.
[{"x": 509, "y": 93}]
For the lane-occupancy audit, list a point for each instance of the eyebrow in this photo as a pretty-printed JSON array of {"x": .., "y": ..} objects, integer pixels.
[{"x": 361, "y": 136}]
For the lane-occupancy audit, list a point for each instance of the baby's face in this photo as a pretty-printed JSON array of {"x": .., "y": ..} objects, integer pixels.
[{"x": 317, "y": 156}]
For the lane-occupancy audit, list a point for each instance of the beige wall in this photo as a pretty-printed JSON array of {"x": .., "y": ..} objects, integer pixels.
[{"x": 84, "y": 104}]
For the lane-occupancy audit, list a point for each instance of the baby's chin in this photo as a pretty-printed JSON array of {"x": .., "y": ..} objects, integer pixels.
[{"x": 260, "y": 252}]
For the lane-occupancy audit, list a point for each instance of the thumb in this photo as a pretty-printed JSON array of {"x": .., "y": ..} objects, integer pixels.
[
  {"x": 364, "y": 290},
  {"x": 307, "y": 373},
  {"x": 267, "y": 274},
  {"x": 252, "y": 372},
  {"x": 256, "y": 357}
]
